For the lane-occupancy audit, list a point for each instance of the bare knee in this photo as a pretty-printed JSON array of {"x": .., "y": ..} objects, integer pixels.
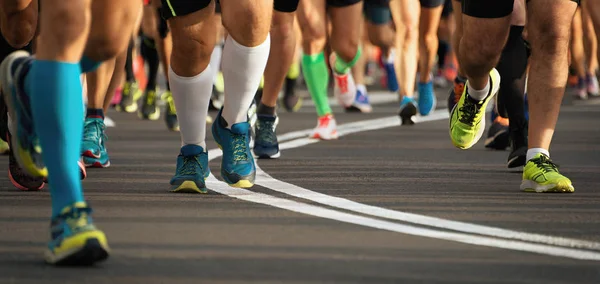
[
  {"x": 345, "y": 47},
  {"x": 248, "y": 22},
  {"x": 549, "y": 39},
  {"x": 428, "y": 41},
  {"x": 111, "y": 31},
  {"x": 313, "y": 39},
  {"x": 191, "y": 50},
  {"x": 19, "y": 21},
  {"x": 70, "y": 20},
  {"x": 282, "y": 28}
]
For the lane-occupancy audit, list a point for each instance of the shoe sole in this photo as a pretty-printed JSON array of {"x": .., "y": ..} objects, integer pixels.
[
  {"x": 98, "y": 165},
  {"x": 93, "y": 250},
  {"x": 21, "y": 187},
  {"x": 266, "y": 156},
  {"x": 407, "y": 114},
  {"x": 153, "y": 117},
  {"x": 532, "y": 186},
  {"x": 479, "y": 134},
  {"x": 23, "y": 158},
  {"x": 500, "y": 141},
  {"x": 334, "y": 136},
  {"x": 188, "y": 187},
  {"x": 89, "y": 154}
]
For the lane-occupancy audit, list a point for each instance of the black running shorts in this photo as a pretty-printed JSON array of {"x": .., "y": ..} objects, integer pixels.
[
  {"x": 447, "y": 10},
  {"x": 377, "y": 11},
  {"x": 432, "y": 3},
  {"x": 490, "y": 9},
  {"x": 173, "y": 8}
]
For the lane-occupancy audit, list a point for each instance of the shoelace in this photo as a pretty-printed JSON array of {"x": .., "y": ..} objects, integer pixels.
[
  {"x": 150, "y": 98},
  {"x": 189, "y": 165},
  {"x": 545, "y": 164},
  {"x": 239, "y": 148},
  {"x": 92, "y": 130},
  {"x": 77, "y": 219},
  {"x": 168, "y": 97},
  {"x": 342, "y": 82},
  {"x": 266, "y": 131},
  {"x": 468, "y": 112},
  {"x": 324, "y": 121}
]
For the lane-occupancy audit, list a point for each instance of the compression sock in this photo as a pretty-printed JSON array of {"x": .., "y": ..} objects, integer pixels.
[
  {"x": 54, "y": 90},
  {"x": 316, "y": 76}
]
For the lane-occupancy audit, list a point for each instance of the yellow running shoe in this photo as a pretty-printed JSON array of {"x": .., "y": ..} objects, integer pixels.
[
  {"x": 4, "y": 147},
  {"x": 540, "y": 174},
  {"x": 75, "y": 239},
  {"x": 467, "y": 119}
]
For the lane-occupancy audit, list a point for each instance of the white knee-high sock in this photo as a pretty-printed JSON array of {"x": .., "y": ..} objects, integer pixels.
[
  {"x": 191, "y": 96},
  {"x": 215, "y": 60},
  {"x": 243, "y": 68}
]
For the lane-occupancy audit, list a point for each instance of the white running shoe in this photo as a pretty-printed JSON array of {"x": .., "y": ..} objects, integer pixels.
[
  {"x": 326, "y": 128},
  {"x": 345, "y": 88}
]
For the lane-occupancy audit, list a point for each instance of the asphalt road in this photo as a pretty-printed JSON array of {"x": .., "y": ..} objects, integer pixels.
[{"x": 161, "y": 237}]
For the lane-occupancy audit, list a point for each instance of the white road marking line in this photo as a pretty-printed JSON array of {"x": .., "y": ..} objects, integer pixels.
[
  {"x": 318, "y": 211},
  {"x": 547, "y": 244}
]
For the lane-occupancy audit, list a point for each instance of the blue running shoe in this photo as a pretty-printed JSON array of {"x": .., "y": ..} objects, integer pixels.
[
  {"x": 265, "y": 143},
  {"x": 237, "y": 165},
  {"x": 93, "y": 148},
  {"x": 408, "y": 109},
  {"x": 192, "y": 170},
  {"x": 361, "y": 101},
  {"x": 75, "y": 239},
  {"x": 27, "y": 150},
  {"x": 390, "y": 71},
  {"x": 427, "y": 99}
]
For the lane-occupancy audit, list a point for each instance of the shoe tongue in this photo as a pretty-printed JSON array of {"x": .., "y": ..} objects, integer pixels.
[
  {"x": 240, "y": 128},
  {"x": 191, "y": 150}
]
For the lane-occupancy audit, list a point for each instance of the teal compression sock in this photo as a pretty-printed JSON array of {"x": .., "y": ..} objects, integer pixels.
[{"x": 54, "y": 90}]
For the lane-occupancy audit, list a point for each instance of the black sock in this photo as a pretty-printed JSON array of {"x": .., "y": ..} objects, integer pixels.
[
  {"x": 263, "y": 109},
  {"x": 150, "y": 55},
  {"x": 129, "y": 75},
  {"x": 95, "y": 113}
]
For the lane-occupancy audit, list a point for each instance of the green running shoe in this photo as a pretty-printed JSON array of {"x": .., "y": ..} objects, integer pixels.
[
  {"x": 149, "y": 110},
  {"x": 467, "y": 119},
  {"x": 540, "y": 174}
]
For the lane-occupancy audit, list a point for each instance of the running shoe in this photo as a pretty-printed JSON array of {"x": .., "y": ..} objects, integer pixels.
[
  {"x": 265, "y": 143},
  {"x": 408, "y": 109},
  {"x": 592, "y": 85},
  {"x": 390, "y": 71},
  {"x": 237, "y": 164},
  {"x": 93, "y": 148},
  {"x": 170, "y": 112},
  {"x": 192, "y": 170},
  {"x": 25, "y": 144},
  {"x": 345, "y": 89},
  {"x": 498, "y": 135},
  {"x": 439, "y": 80},
  {"x": 455, "y": 93},
  {"x": 326, "y": 128},
  {"x": 581, "y": 92},
  {"x": 518, "y": 141},
  {"x": 20, "y": 178},
  {"x": 427, "y": 100},
  {"x": 291, "y": 101},
  {"x": 218, "y": 97},
  {"x": 130, "y": 95},
  {"x": 150, "y": 110},
  {"x": 75, "y": 241},
  {"x": 361, "y": 101},
  {"x": 540, "y": 174},
  {"x": 467, "y": 119}
]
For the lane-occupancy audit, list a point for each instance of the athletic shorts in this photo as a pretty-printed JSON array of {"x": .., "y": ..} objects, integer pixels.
[
  {"x": 433, "y": 3},
  {"x": 490, "y": 9},
  {"x": 447, "y": 10},
  {"x": 377, "y": 11},
  {"x": 173, "y": 8}
]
